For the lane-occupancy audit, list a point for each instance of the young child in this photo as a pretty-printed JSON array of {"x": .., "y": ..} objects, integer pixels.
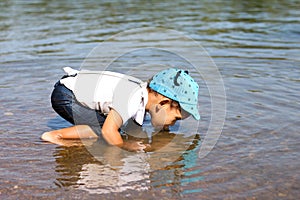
[{"x": 99, "y": 103}]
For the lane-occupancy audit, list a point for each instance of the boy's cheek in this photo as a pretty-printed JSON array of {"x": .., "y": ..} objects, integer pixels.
[
  {"x": 158, "y": 120},
  {"x": 157, "y": 123}
]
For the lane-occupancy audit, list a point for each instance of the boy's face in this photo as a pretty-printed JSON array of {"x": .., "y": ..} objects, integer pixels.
[{"x": 166, "y": 113}]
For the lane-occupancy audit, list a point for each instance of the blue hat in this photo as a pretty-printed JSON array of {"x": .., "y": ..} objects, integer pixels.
[{"x": 179, "y": 86}]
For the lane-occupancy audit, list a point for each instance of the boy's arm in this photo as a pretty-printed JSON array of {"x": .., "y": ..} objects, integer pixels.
[
  {"x": 110, "y": 132},
  {"x": 110, "y": 129}
]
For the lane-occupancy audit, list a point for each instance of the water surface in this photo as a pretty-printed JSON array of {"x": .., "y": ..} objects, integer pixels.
[{"x": 256, "y": 46}]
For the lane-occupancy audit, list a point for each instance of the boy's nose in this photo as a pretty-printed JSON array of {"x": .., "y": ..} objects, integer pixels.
[{"x": 178, "y": 115}]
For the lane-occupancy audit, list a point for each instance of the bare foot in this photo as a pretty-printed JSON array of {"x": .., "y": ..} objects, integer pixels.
[{"x": 52, "y": 137}]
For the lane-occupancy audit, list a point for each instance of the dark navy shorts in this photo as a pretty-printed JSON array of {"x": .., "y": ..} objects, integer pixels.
[{"x": 65, "y": 104}]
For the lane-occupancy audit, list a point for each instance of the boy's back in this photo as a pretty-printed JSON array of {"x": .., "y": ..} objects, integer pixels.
[{"x": 103, "y": 90}]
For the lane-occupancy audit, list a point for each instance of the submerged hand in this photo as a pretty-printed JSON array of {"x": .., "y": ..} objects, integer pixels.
[{"x": 137, "y": 146}]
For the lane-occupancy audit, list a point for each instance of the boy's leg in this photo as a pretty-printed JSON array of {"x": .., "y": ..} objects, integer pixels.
[
  {"x": 73, "y": 132},
  {"x": 65, "y": 104}
]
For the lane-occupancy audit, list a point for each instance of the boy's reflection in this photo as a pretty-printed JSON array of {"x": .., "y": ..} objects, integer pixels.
[{"x": 98, "y": 168}]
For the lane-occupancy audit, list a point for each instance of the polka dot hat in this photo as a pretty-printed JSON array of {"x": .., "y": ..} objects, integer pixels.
[{"x": 178, "y": 85}]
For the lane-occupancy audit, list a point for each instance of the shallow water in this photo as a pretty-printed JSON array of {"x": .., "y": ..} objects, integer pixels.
[{"x": 256, "y": 46}]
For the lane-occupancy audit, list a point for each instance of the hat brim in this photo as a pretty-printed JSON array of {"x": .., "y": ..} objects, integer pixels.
[{"x": 191, "y": 109}]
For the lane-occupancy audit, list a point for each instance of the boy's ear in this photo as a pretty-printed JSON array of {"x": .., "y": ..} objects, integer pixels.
[
  {"x": 161, "y": 103},
  {"x": 164, "y": 101}
]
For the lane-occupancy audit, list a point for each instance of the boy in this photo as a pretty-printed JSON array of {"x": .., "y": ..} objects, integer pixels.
[{"x": 92, "y": 100}]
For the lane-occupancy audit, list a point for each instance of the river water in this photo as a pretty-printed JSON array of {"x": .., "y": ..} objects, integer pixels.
[{"x": 254, "y": 44}]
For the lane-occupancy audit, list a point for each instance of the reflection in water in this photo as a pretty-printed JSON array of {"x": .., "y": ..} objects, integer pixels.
[
  {"x": 132, "y": 173},
  {"x": 69, "y": 164},
  {"x": 99, "y": 168},
  {"x": 79, "y": 169}
]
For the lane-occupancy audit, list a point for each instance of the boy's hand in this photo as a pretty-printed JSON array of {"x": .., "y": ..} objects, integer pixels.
[{"x": 137, "y": 146}]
